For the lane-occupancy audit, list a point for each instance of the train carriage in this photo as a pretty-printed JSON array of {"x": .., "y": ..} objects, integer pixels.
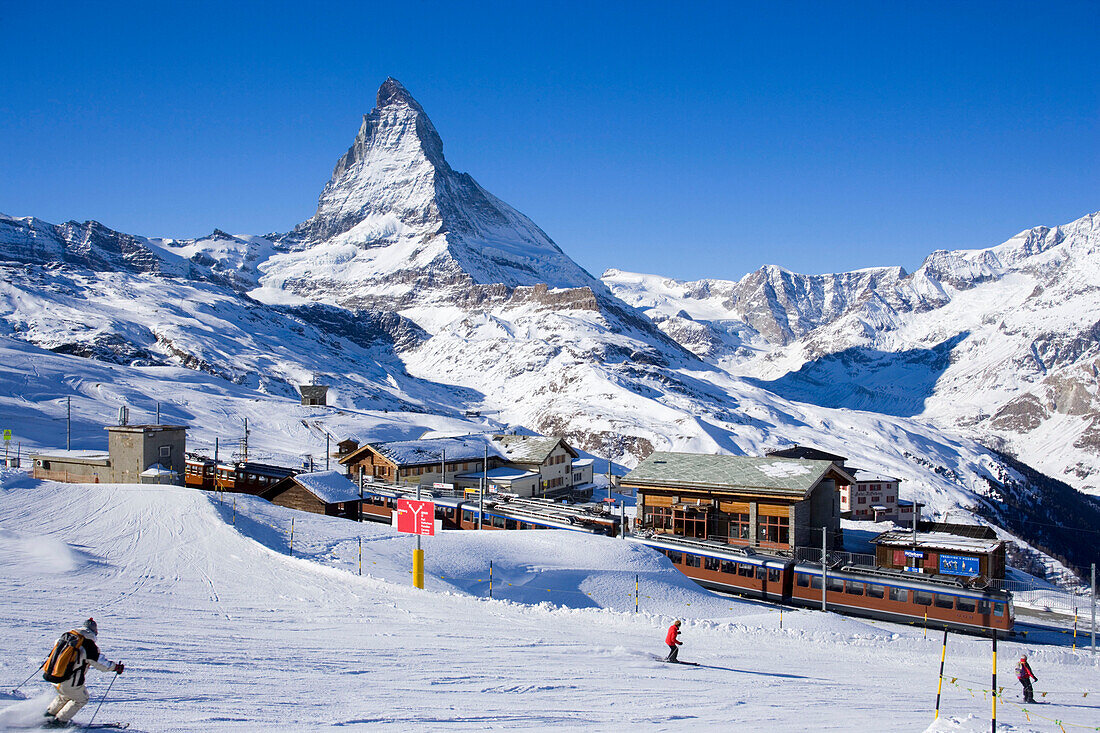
[{"x": 878, "y": 593}]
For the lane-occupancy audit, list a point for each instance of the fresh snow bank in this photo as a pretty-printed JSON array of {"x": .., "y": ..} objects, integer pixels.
[{"x": 221, "y": 629}]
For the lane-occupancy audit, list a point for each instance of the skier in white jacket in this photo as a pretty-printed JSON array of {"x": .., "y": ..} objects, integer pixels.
[{"x": 71, "y": 695}]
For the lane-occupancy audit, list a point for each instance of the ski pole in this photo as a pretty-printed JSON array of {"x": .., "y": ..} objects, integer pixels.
[
  {"x": 16, "y": 689},
  {"x": 97, "y": 707}
]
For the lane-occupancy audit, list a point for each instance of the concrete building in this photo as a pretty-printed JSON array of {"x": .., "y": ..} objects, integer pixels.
[
  {"x": 72, "y": 466},
  {"x": 873, "y": 497},
  {"x": 774, "y": 503},
  {"x": 135, "y": 448}
]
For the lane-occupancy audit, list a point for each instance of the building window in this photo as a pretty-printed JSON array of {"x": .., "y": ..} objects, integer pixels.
[
  {"x": 657, "y": 517},
  {"x": 773, "y": 530},
  {"x": 862, "y": 500},
  {"x": 166, "y": 451}
]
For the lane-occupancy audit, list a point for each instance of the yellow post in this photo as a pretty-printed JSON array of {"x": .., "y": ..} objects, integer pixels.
[
  {"x": 1075, "y": 629},
  {"x": 939, "y": 688},
  {"x": 418, "y": 568}
]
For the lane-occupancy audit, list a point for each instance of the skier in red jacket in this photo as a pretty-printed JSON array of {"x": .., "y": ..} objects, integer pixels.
[
  {"x": 673, "y": 641},
  {"x": 1025, "y": 675}
]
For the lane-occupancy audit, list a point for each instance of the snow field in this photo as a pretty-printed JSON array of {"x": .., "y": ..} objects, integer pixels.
[{"x": 221, "y": 630}]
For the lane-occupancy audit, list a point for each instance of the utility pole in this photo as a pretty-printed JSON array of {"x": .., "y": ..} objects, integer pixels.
[
  {"x": 245, "y": 443},
  {"x": 327, "y": 449},
  {"x": 824, "y": 565},
  {"x": 484, "y": 485},
  {"x": 1093, "y": 624},
  {"x": 443, "y": 473},
  {"x": 68, "y": 423},
  {"x": 158, "y": 413}
]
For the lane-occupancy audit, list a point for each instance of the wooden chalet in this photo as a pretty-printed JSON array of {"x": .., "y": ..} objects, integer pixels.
[
  {"x": 320, "y": 492},
  {"x": 770, "y": 502},
  {"x": 420, "y": 462}
]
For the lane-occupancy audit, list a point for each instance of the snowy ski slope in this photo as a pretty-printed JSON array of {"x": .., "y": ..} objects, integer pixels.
[{"x": 221, "y": 629}]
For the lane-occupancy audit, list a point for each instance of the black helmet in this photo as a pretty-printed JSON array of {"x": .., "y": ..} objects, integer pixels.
[{"x": 91, "y": 626}]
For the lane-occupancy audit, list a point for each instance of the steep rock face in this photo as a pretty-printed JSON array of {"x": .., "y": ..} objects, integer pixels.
[{"x": 396, "y": 221}]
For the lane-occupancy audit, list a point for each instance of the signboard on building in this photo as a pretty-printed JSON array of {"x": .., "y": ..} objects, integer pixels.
[
  {"x": 914, "y": 553},
  {"x": 958, "y": 565},
  {"x": 415, "y": 517},
  {"x": 439, "y": 485}
]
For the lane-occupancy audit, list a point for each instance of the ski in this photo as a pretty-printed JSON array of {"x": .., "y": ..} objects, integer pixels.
[{"x": 103, "y": 726}]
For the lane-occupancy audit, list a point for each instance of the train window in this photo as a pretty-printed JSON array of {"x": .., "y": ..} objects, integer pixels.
[
  {"x": 836, "y": 585},
  {"x": 983, "y": 607},
  {"x": 510, "y": 524},
  {"x": 745, "y": 571},
  {"x": 900, "y": 595},
  {"x": 965, "y": 604},
  {"x": 675, "y": 557},
  {"x": 692, "y": 561},
  {"x": 712, "y": 563},
  {"x": 729, "y": 567},
  {"x": 815, "y": 582},
  {"x": 922, "y": 598},
  {"x": 774, "y": 574},
  {"x": 498, "y": 522},
  {"x": 760, "y": 572},
  {"x": 944, "y": 601},
  {"x": 875, "y": 591},
  {"x": 802, "y": 579},
  {"x": 854, "y": 588},
  {"x": 998, "y": 609},
  {"x": 467, "y": 515}
]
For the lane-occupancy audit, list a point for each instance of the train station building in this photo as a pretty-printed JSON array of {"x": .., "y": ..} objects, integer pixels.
[{"x": 771, "y": 502}]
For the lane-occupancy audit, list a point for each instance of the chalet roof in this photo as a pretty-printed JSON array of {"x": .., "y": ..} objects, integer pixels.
[
  {"x": 937, "y": 541},
  {"x": 331, "y": 487},
  {"x": 784, "y": 476},
  {"x": 863, "y": 476},
  {"x": 428, "y": 451},
  {"x": 528, "y": 448},
  {"x": 805, "y": 452}
]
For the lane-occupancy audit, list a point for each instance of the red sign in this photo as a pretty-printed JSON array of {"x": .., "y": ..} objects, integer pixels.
[{"x": 415, "y": 517}]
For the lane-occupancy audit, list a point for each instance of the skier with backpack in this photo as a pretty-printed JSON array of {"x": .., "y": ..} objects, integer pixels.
[{"x": 66, "y": 666}]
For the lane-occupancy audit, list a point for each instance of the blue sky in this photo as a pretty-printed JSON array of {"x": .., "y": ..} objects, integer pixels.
[{"x": 689, "y": 140}]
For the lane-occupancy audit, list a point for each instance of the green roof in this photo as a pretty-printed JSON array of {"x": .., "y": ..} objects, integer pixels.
[{"x": 722, "y": 472}]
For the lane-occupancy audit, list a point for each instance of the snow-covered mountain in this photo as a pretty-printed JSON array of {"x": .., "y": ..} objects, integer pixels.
[
  {"x": 419, "y": 296},
  {"x": 1002, "y": 344}
]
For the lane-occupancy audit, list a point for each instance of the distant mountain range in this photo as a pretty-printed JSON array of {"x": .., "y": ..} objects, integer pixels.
[{"x": 415, "y": 293}]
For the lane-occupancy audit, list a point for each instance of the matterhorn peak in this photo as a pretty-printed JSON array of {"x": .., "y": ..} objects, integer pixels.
[{"x": 393, "y": 92}]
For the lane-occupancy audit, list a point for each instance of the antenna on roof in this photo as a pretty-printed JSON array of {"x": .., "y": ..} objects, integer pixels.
[{"x": 123, "y": 415}]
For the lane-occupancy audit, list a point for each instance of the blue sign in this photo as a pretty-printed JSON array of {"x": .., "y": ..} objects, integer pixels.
[
  {"x": 958, "y": 565},
  {"x": 914, "y": 553}
]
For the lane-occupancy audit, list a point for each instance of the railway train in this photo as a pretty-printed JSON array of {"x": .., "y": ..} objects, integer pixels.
[{"x": 873, "y": 593}]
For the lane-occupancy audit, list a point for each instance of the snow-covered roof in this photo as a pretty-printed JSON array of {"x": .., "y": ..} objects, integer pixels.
[
  {"x": 526, "y": 448},
  {"x": 70, "y": 455},
  {"x": 503, "y": 473},
  {"x": 937, "y": 541},
  {"x": 582, "y": 462},
  {"x": 429, "y": 451},
  {"x": 697, "y": 470},
  {"x": 863, "y": 476},
  {"x": 331, "y": 487}
]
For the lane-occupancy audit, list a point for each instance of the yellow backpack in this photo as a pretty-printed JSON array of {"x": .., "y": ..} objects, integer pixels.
[{"x": 60, "y": 663}]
